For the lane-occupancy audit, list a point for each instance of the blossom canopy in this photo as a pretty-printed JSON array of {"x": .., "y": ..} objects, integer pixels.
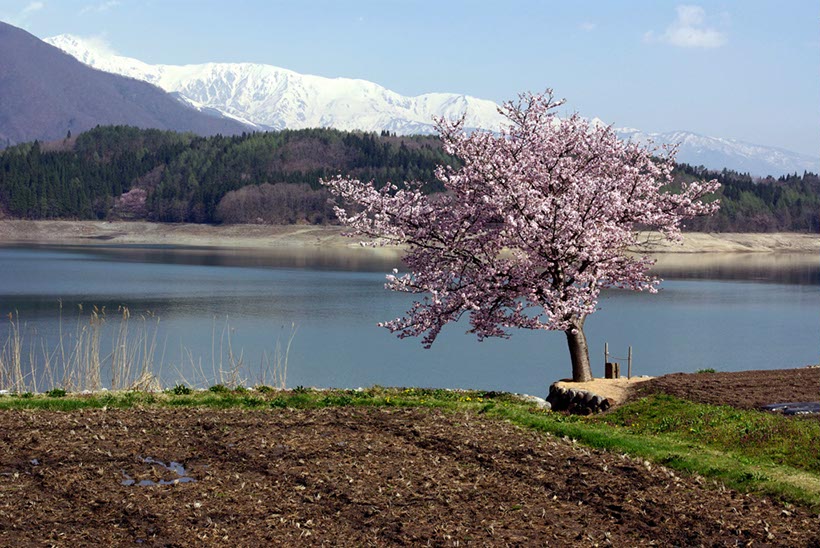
[{"x": 533, "y": 225}]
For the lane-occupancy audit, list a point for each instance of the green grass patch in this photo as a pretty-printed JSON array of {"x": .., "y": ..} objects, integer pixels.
[
  {"x": 703, "y": 439},
  {"x": 758, "y": 435},
  {"x": 70, "y": 402},
  {"x": 221, "y": 396}
]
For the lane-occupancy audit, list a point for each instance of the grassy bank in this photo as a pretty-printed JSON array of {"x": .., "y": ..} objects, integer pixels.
[{"x": 751, "y": 451}]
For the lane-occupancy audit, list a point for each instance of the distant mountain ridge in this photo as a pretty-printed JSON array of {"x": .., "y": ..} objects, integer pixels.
[
  {"x": 269, "y": 97},
  {"x": 45, "y": 93},
  {"x": 719, "y": 153}
]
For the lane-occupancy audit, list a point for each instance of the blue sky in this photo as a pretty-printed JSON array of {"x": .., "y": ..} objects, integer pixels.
[{"x": 745, "y": 69}]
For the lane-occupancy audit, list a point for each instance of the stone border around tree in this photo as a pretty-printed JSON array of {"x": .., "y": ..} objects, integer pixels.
[{"x": 577, "y": 402}]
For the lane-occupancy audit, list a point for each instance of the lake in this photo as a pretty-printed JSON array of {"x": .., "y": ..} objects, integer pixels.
[{"x": 722, "y": 311}]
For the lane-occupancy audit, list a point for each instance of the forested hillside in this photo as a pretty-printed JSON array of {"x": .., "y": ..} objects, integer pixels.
[
  {"x": 789, "y": 203},
  {"x": 124, "y": 172},
  {"x": 127, "y": 173}
]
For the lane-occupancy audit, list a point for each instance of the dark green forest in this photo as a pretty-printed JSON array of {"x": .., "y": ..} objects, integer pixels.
[
  {"x": 127, "y": 173},
  {"x": 789, "y": 203}
]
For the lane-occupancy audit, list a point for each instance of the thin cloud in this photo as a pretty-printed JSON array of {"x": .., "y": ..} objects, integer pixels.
[
  {"x": 32, "y": 7},
  {"x": 587, "y": 26},
  {"x": 101, "y": 7},
  {"x": 689, "y": 30},
  {"x": 19, "y": 19}
]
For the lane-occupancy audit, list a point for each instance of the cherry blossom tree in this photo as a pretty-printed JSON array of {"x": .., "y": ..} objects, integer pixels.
[{"x": 538, "y": 220}]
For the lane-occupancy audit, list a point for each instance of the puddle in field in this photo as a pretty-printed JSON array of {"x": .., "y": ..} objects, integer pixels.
[
  {"x": 794, "y": 408},
  {"x": 172, "y": 466}
]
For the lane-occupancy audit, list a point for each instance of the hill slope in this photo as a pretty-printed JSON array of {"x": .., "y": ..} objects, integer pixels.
[{"x": 45, "y": 93}]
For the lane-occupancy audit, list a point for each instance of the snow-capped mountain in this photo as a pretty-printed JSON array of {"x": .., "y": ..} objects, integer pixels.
[
  {"x": 717, "y": 153},
  {"x": 268, "y": 97}
]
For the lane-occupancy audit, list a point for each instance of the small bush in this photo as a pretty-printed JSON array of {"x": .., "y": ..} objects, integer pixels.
[
  {"x": 707, "y": 370},
  {"x": 56, "y": 393},
  {"x": 336, "y": 400},
  {"x": 301, "y": 400},
  {"x": 180, "y": 390},
  {"x": 487, "y": 407},
  {"x": 264, "y": 389},
  {"x": 219, "y": 389}
]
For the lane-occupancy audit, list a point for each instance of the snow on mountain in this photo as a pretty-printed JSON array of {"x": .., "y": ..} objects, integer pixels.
[
  {"x": 717, "y": 153},
  {"x": 268, "y": 97}
]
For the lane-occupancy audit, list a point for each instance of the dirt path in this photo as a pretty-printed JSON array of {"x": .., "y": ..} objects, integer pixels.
[{"x": 350, "y": 476}]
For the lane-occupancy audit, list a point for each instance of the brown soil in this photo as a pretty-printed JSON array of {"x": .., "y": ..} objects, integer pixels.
[
  {"x": 744, "y": 389},
  {"x": 351, "y": 476}
]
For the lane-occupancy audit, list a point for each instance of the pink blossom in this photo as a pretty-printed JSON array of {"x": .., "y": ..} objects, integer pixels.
[{"x": 535, "y": 223}]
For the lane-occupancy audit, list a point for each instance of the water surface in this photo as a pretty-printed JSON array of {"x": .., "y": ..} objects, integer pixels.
[{"x": 722, "y": 311}]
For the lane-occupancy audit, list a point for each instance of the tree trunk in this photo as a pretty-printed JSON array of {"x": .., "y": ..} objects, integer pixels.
[{"x": 579, "y": 352}]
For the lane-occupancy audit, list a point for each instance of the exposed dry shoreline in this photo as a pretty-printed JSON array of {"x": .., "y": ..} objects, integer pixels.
[
  {"x": 266, "y": 237},
  {"x": 144, "y": 233},
  {"x": 781, "y": 242}
]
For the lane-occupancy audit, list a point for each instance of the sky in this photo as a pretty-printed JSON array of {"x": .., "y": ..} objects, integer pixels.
[{"x": 743, "y": 69}]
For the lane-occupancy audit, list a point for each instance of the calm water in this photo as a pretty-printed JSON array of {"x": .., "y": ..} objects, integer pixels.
[{"x": 727, "y": 312}]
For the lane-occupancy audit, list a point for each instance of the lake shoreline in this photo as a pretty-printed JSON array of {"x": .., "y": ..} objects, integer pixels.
[{"x": 305, "y": 236}]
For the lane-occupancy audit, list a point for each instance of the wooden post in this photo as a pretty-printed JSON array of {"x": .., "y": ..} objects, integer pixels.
[
  {"x": 612, "y": 370},
  {"x": 629, "y": 364},
  {"x": 606, "y": 355}
]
